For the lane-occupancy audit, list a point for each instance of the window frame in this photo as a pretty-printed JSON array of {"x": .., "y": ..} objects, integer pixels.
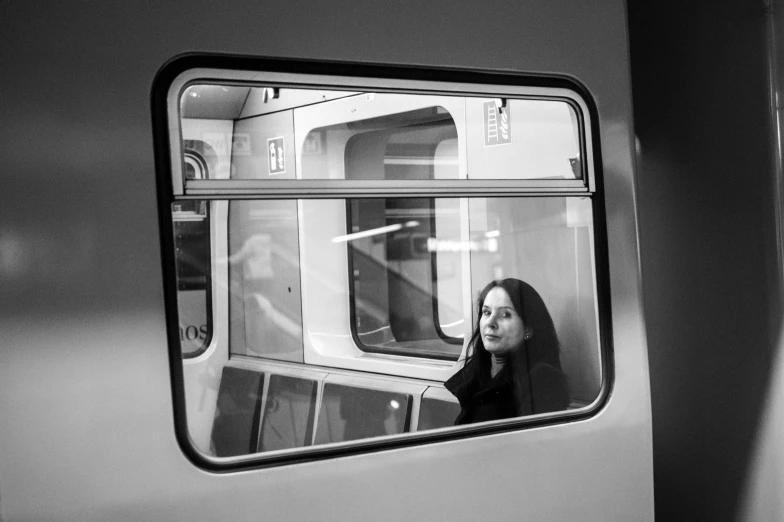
[
  {"x": 182, "y": 71},
  {"x": 370, "y": 349}
]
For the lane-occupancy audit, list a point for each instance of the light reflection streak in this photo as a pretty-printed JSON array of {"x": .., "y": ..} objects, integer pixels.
[
  {"x": 451, "y": 245},
  {"x": 375, "y": 231}
]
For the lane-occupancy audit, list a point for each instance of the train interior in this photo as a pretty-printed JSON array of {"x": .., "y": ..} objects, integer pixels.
[{"x": 316, "y": 320}]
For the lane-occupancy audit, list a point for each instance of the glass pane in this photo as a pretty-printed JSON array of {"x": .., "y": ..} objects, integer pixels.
[
  {"x": 280, "y": 133},
  {"x": 383, "y": 290}
]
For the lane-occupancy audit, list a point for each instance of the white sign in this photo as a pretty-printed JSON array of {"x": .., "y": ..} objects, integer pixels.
[
  {"x": 276, "y": 156},
  {"x": 498, "y": 123}
]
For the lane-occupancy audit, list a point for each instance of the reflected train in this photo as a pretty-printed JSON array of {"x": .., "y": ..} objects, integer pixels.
[{"x": 241, "y": 254}]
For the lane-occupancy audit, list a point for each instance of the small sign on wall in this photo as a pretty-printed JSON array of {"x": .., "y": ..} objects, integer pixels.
[
  {"x": 498, "y": 123},
  {"x": 276, "y": 156}
]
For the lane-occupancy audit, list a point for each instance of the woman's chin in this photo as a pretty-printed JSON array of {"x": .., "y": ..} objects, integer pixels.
[{"x": 496, "y": 350}]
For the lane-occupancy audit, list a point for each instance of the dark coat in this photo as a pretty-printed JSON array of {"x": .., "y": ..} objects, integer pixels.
[{"x": 543, "y": 390}]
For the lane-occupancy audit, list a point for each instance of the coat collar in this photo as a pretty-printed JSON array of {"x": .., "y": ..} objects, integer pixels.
[{"x": 462, "y": 386}]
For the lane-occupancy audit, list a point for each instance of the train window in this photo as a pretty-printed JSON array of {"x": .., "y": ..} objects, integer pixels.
[
  {"x": 333, "y": 244},
  {"x": 192, "y": 246},
  {"x": 402, "y": 304}
]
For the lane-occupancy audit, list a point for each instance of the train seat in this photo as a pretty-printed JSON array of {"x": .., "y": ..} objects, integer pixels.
[
  {"x": 289, "y": 411},
  {"x": 351, "y": 413},
  {"x": 438, "y": 409},
  {"x": 236, "y": 424},
  {"x": 277, "y": 407}
]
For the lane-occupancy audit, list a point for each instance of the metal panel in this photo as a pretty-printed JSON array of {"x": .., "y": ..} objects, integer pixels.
[
  {"x": 373, "y": 188},
  {"x": 87, "y": 309},
  {"x": 256, "y": 104}
]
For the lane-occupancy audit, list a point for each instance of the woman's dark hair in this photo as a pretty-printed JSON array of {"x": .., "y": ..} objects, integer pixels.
[{"x": 542, "y": 348}]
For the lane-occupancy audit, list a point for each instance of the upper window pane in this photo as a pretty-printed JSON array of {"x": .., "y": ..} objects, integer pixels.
[{"x": 273, "y": 133}]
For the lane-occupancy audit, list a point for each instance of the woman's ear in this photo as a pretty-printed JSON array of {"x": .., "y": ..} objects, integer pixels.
[{"x": 529, "y": 332}]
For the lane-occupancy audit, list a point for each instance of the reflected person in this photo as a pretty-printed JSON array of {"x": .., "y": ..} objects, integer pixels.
[{"x": 512, "y": 366}]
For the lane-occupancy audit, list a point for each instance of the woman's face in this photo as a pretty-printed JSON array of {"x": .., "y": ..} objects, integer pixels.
[{"x": 501, "y": 328}]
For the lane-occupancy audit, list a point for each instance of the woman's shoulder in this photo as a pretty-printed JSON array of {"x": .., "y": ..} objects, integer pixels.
[
  {"x": 459, "y": 383},
  {"x": 467, "y": 382},
  {"x": 543, "y": 371},
  {"x": 549, "y": 388}
]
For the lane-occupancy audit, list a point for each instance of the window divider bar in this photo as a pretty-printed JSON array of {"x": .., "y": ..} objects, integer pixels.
[{"x": 308, "y": 189}]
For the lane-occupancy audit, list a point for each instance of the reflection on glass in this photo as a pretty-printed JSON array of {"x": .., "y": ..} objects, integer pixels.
[
  {"x": 192, "y": 248},
  {"x": 313, "y": 286}
]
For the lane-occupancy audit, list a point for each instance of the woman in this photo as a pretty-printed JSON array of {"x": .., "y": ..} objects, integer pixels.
[{"x": 513, "y": 367}]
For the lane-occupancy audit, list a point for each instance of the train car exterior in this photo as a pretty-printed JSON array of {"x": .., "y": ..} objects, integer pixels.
[
  {"x": 105, "y": 419},
  {"x": 707, "y": 97}
]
